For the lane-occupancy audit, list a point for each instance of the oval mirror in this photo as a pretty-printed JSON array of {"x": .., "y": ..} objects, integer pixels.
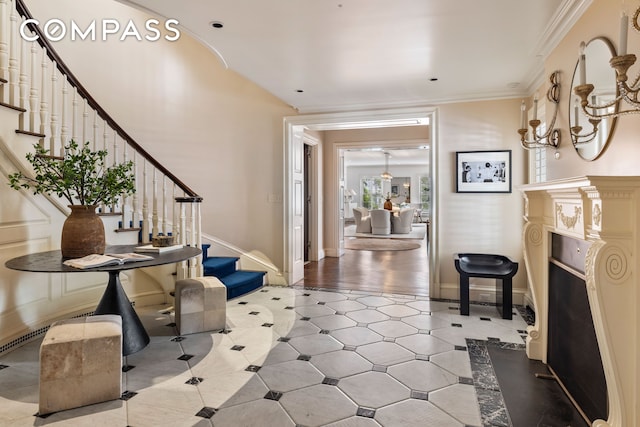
[{"x": 590, "y": 138}]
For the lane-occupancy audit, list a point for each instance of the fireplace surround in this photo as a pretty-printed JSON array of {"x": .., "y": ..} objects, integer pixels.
[{"x": 604, "y": 212}]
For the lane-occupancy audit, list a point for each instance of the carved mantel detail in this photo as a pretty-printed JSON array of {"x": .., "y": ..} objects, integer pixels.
[
  {"x": 569, "y": 222},
  {"x": 604, "y": 211},
  {"x": 596, "y": 215}
]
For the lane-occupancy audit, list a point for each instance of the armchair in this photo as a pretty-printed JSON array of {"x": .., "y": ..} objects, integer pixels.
[
  {"x": 380, "y": 221},
  {"x": 363, "y": 220},
  {"x": 401, "y": 223}
]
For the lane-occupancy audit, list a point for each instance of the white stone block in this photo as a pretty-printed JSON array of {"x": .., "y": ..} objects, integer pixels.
[
  {"x": 201, "y": 305},
  {"x": 81, "y": 363}
]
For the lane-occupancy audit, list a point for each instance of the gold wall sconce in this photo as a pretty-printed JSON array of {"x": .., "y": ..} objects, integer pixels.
[
  {"x": 590, "y": 136},
  {"x": 550, "y": 138},
  {"x": 627, "y": 91}
]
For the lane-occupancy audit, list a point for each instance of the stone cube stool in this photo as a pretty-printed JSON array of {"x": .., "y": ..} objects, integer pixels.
[
  {"x": 201, "y": 305},
  {"x": 81, "y": 363}
]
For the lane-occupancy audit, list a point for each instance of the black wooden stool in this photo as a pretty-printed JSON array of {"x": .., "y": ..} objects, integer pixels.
[{"x": 491, "y": 267}]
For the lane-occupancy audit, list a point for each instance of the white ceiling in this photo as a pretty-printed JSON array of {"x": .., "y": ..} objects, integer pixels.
[{"x": 364, "y": 54}]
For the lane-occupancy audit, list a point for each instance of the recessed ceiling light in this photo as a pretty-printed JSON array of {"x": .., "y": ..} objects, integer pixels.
[
  {"x": 299, "y": 90},
  {"x": 513, "y": 85},
  {"x": 217, "y": 24},
  {"x": 433, "y": 79}
]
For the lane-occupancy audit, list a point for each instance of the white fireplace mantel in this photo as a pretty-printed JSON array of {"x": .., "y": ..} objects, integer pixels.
[{"x": 604, "y": 211}]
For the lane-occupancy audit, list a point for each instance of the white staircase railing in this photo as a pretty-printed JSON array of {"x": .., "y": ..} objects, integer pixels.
[{"x": 55, "y": 107}]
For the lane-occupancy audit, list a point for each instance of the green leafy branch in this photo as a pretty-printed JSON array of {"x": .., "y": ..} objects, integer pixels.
[{"x": 81, "y": 176}]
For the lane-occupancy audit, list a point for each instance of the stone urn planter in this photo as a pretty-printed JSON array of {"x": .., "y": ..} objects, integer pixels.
[
  {"x": 83, "y": 178},
  {"x": 82, "y": 232}
]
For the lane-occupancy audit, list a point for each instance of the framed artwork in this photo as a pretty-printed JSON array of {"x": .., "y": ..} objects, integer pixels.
[
  {"x": 483, "y": 171},
  {"x": 394, "y": 189}
]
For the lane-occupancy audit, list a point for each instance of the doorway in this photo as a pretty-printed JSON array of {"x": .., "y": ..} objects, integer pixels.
[{"x": 295, "y": 126}]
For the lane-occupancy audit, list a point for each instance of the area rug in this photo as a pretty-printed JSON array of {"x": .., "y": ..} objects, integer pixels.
[
  {"x": 379, "y": 244},
  {"x": 418, "y": 232}
]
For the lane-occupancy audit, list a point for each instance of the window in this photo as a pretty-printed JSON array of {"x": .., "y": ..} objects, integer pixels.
[
  {"x": 540, "y": 164},
  {"x": 425, "y": 193},
  {"x": 538, "y": 156},
  {"x": 371, "y": 190}
]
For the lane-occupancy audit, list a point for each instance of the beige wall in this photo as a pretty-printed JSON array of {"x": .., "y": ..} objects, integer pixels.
[
  {"x": 217, "y": 132},
  {"x": 621, "y": 157},
  {"x": 469, "y": 222}
]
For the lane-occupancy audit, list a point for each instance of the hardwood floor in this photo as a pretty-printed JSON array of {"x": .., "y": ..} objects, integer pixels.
[{"x": 397, "y": 272}]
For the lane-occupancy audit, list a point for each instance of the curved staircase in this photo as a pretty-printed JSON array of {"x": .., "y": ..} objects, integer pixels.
[{"x": 52, "y": 107}]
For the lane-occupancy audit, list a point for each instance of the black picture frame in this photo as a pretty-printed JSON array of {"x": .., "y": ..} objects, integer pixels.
[{"x": 483, "y": 171}]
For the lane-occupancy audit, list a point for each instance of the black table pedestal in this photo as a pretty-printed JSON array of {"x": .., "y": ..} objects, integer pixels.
[{"x": 115, "y": 301}]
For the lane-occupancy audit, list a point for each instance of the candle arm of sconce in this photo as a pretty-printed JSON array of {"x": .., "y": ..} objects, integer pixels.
[
  {"x": 621, "y": 64},
  {"x": 579, "y": 140}
]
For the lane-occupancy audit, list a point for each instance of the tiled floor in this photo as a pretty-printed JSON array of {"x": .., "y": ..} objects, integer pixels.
[{"x": 290, "y": 357}]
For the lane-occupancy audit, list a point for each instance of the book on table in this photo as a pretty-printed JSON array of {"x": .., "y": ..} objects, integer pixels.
[
  {"x": 97, "y": 260},
  {"x": 157, "y": 249}
]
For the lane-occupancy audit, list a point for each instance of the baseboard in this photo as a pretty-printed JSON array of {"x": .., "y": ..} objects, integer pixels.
[
  {"x": 478, "y": 293},
  {"x": 334, "y": 252}
]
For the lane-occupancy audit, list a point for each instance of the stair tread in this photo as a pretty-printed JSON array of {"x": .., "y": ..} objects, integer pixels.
[
  {"x": 122, "y": 230},
  {"x": 237, "y": 282},
  {"x": 242, "y": 282},
  {"x": 219, "y": 266},
  {"x": 13, "y": 107},
  {"x": 26, "y": 132},
  {"x": 216, "y": 260},
  {"x": 235, "y": 278}
]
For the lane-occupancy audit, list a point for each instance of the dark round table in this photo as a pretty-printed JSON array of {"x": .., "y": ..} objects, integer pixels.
[{"x": 114, "y": 300}]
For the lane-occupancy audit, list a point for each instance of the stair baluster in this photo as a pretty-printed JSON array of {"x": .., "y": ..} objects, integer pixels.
[
  {"x": 154, "y": 201},
  {"x": 33, "y": 90},
  {"x": 13, "y": 59},
  {"x": 145, "y": 204},
  {"x": 44, "y": 105},
  {"x": 23, "y": 82},
  {"x": 4, "y": 49},
  {"x": 53, "y": 121},
  {"x": 74, "y": 116},
  {"x": 64, "y": 130}
]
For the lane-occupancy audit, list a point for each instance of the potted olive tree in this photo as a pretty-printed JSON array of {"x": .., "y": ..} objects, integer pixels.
[{"x": 81, "y": 177}]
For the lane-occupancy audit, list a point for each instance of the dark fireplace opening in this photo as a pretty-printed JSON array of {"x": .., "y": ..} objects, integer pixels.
[{"x": 573, "y": 353}]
